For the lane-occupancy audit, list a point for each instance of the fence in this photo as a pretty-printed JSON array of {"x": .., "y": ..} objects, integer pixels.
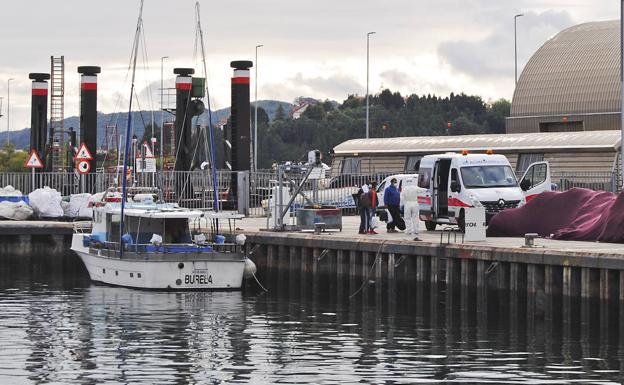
[
  {"x": 594, "y": 180},
  {"x": 195, "y": 189}
]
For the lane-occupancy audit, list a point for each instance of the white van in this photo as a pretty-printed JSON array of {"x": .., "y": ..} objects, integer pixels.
[
  {"x": 402, "y": 180},
  {"x": 455, "y": 181}
]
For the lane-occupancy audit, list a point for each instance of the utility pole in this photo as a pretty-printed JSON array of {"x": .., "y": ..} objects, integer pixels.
[
  {"x": 255, "y": 150},
  {"x": 367, "y": 70},
  {"x": 162, "y": 117},
  {"x": 8, "y": 109},
  {"x": 621, "y": 173},
  {"x": 516, "y": 48}
]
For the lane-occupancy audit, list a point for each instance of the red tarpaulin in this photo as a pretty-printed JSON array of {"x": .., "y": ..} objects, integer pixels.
[{"x": 577, "y": 214}]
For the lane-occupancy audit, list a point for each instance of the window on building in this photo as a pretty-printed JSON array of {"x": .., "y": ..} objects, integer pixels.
[
  {"x": 561, "y": 126},
  {"x": 525, "y": 160},
  {"x": 412, "y": 163},
  {"x": 350, "y": 166}
]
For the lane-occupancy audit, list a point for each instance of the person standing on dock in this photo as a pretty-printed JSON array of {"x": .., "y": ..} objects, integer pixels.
[
  {"x": 364, "y": 204},
  {"x": 373, "y": 208},
  {"x": 411, "y": 211},
  {"x": 392, "y": 200}
]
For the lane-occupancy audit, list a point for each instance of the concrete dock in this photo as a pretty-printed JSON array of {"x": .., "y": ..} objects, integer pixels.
[{"x": 574, "y": 269}]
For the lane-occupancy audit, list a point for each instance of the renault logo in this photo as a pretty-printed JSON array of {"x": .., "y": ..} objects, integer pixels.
[{"x": 501, "y": 203}]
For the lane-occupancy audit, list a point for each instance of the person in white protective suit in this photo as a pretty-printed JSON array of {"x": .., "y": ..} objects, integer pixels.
[{"x": 409, "y": 198}]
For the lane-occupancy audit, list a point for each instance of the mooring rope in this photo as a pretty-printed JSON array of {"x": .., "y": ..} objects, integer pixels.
[
  {"x": 258, "y": 282},
  {"x": 377, "y": 257}
]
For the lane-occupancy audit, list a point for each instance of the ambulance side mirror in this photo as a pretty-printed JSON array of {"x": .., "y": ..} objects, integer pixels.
[
  {"x": 525, "y": 184},
  {"x": 455, "y": 186}
]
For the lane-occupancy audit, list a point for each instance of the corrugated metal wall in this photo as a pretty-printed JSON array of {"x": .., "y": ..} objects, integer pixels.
[{"x": 560, "y": 161}]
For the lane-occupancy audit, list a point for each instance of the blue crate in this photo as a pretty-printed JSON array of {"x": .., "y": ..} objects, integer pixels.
[{"x": 14, "y": 199}]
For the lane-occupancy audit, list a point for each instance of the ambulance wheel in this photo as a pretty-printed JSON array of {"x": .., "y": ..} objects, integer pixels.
[
  {"x": 461, "y": 221},
  {"x": 430, "y": 225}
]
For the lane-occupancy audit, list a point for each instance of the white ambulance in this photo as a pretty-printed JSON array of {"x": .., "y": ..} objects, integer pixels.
[{"x": 455, "y": 181}]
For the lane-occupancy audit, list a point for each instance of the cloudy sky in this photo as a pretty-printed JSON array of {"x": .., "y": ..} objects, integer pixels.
[{"x": 315, "y": 48}]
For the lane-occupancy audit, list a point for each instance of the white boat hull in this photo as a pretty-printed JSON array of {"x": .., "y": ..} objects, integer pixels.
[{"x": 178, "y": 272}]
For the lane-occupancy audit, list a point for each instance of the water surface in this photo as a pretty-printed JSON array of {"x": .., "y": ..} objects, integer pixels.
[{"x": 57, "y": 327}]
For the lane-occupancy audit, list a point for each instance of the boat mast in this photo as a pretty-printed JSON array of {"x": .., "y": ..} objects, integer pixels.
[
  {"x": 213, "y": 166},
  {"x": 135, "y": 51}
]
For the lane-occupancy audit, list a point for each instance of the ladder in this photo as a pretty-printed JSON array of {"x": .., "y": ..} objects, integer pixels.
[{"x": 57, "y": 112}]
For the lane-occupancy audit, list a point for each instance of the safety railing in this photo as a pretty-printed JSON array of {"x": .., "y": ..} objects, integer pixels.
[
  {"x": 195, "y": 189},
  {"x": 594, "y": 180}
]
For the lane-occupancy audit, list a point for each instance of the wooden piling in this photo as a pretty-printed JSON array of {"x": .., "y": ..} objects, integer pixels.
[
  {"x": 604, "y": 285},
  {"x": 585, "y": 282}
]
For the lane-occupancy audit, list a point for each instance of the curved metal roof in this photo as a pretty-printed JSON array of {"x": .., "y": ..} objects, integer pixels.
[
  {"x": 529, "y": 141},
  {"x": 576, "y": 71}
]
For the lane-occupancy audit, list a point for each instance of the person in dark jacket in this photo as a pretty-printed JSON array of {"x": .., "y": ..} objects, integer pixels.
[
  {"x": 364, "y": 205},
  {"x": 392, "y": 200}
]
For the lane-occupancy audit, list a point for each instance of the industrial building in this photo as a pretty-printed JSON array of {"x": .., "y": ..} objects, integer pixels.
[
  {"x": 565, "y": 110},
  {"x": 571, "y": 83},
  {"x": 566, "y": 152}
]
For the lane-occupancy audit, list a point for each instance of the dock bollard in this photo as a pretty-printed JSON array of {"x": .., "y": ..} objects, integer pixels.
[{"x": 529, "y": 239}]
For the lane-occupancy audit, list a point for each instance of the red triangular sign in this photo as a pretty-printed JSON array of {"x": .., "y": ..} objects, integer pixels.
[
  {"x": 148, "y": 151},
  {"x": 33, "y": 161},
  {"x": 83, "y": 153}
]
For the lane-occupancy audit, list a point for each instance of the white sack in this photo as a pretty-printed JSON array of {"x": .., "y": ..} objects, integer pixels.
[
  {"x": 46, "y": 202},
  {"x": 9, "y": 191},
  {"x": 18, "y": 211},
  {"x": 22, "y": 211},
  {"x": 78, "y": 206}
]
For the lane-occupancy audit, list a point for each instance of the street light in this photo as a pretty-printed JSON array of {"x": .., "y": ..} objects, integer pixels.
[
  {"x": 162, "y": 117},
  {"x": 367, "y": 67},
  {"x": 255, "y": 151},
  {"x": 8, "y": 108},
  {"x": 516, "y": 48},
  {"x": 622, "y": 90}
]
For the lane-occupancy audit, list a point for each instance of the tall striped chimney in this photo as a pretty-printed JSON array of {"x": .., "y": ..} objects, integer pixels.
[
  {"x": 88, "y": 109},
  {"x": 183, "y": 133},
  {"x": 240, "y": 127},
  {"x": 39, "y": 113}
]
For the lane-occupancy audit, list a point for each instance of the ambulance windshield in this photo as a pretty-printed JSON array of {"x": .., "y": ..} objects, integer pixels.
[{"x": 488, "y": 176}]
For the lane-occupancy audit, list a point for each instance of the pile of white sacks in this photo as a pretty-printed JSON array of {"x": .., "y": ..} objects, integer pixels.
[{"x": 44, "y": 203}]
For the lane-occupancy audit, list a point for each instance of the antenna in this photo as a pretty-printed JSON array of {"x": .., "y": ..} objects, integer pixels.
[
  {"x": 213, "y": 165},
  {"x": 133, "y": 60}
]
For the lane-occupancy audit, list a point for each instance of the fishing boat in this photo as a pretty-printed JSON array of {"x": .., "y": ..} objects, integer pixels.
[
  {"x": 137, "y": 240},
  {"x": 164, "y": 246}
]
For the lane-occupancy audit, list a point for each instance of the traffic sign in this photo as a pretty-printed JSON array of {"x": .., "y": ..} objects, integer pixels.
[
  {"x": 83, "y": 167},
  {"x": 83, "y": 153},
  {"x": 148, "y": 151},
  {"x": 33, "y": 161}
]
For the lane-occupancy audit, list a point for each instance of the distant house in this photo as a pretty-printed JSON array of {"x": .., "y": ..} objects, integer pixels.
[
  {"x": 299, "y": 110},
  {"x": 223, "y": 122}
]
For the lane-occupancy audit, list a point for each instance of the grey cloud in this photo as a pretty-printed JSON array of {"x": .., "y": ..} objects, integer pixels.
[
  {"x": 492, "y": 56},
  {"x": 336, "y": 86},
  {"x": 413, "y": 83}
]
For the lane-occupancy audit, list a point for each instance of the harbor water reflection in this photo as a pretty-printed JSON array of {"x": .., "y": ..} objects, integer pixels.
[{"x": 59, "y": 327}]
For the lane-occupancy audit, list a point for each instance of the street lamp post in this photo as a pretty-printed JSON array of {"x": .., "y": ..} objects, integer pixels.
[
  {"x": 255, "y": 150},
  {"x": 516, "y": 48},
  {"x": 8, "y": 108},
  {"x": 367, "y": 68},
  {"x": 621, "y": 173},
  {"x": 162, "y": 117}
]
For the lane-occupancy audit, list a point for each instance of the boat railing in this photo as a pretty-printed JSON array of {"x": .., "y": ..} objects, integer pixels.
[
  {"x": 168, "y": 248},
  {"x": 82, "y": 227}
]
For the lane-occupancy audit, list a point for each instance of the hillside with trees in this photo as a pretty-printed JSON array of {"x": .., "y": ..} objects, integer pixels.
[{"x": 325, "y": 124}]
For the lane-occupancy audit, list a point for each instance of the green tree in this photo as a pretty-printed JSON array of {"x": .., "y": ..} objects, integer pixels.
[{"x": 280, "y": 114}]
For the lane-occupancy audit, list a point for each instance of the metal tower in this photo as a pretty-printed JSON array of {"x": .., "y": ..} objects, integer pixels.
[
  {"x": 111, "y": 138},
  {"x": 57, "y": 112}
]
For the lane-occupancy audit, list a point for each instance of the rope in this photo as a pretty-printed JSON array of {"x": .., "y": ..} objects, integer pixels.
[
  {"x": 370, "y": 270},
  {"x": 258, "y": 282}
]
